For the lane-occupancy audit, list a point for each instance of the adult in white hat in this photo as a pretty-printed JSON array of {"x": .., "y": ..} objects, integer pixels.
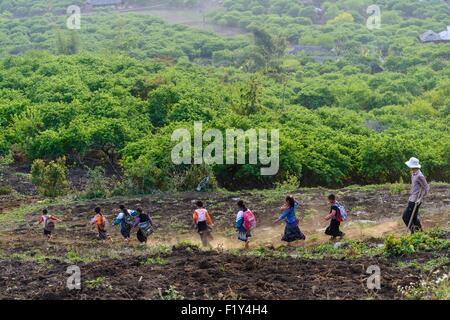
[{"x": 419, "y": 189}]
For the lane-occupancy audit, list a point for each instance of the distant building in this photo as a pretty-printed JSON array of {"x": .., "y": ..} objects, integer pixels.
[
  {"x": 91, "y": 4},
  {"x": 431, "y": 36}
]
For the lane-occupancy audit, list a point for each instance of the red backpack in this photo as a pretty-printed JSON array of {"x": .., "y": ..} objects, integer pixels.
[{"x": 249, "y": 220}]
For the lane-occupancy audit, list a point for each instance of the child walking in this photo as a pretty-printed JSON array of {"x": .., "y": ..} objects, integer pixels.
[
  {"x": 291, "y": 231},
  {"x": 100, "y": 222},
  {"x": 125, "y": 219},
  {"x": 245, "y": 221},
  {"x": 335, "y": 217},
  {"x": 145, "y": 226},
  {"x": 49, "y": 223},
  {"x": 203, "y": 222}
]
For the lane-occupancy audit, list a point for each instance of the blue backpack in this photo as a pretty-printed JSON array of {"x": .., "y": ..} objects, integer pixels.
[{"x": 342, "y": 211}]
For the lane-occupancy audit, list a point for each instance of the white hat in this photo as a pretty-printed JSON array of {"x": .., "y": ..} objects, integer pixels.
[{"x": 413, "y": 163}]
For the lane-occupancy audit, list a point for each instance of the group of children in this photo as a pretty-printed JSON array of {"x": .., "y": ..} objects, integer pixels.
[{"x": 130, "y": 220}]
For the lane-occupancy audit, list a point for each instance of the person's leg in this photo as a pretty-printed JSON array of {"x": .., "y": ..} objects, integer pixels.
[
  {"x": 328, "y": 230},
  {"x": 407, "y": 213},
  {"x": 339, "y": 233},
  {"x": 416, "y": 225}
]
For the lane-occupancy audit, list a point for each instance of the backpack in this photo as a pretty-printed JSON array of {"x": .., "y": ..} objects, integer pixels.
[
  {"x": 102, "y": 225},
  {"x": 146, "y": 228},
  {"x": 49, "y": 225},
  {"x": 249, "y": 220},
  {"x": 128, "y": 219},
  {"x": 342, "y": 211}
]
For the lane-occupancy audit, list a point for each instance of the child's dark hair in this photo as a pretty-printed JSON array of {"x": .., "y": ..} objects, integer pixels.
[
  {"x": 44, "y": 211},
  {"x": 241, "y": 205},
  {"x": 332, "y": 197},
  {"x": 139, "y": 210},
  {"x": 97, "y": 210},
  {"x": 199, "y": 204},
  {"x": 290, "y": 200},
  {"x": 122, "y": 207}
]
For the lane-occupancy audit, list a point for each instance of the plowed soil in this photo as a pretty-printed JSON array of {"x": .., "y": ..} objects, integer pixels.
[{"x": 32, "y": 268}]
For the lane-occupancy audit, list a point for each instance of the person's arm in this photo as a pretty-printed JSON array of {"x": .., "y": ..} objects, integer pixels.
[
  {"x": 208, "y": 219},
  {"x": 41, "y": 220},
  {"x": 239, "y": 223},
  {"x": 55, "y": 218},
  {"x": 331, "y": 215},
  {"x": 424, "y": 186},
  {"x": 283, "y": 215},
  {"x": 136, "y": 222},
  {"x": 194, "y": 218}
]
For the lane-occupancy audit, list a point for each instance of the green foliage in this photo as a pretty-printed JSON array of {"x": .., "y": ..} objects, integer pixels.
[
  {"x": 397, "y": 188},
  {"x": 170, "y": 294},
  {"x": 97, "y": 184},
  {"x": 50, "y": 179},
  {"x": 349, "y": 103},
  {"x": 6, "y": 190},
  {"x": 156, "y": 261},
  {"x": 292, "y": 183},
  {"x": 410, "y": 244},
  {"x": 98, "y": 283}
]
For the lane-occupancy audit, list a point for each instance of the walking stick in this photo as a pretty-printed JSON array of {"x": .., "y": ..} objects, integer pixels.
[{"x": 418, "y": 201}]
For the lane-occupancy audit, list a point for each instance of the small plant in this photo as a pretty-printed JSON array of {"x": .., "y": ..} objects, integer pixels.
[
  {"x": 170, "y": 294},
  {"x": 6, "y": 190},
  {"x": 98, "y": 283},
  {"x": 74, "y": 257},
  {"x": 187, "y": 244},
  {"x": 161, "y": 249},
  {"x": 158, "y": 261},
  {"x": 397, "y": 188},
  {"x": 290, "y": 184},
  {"x": 5, "y": 161}
]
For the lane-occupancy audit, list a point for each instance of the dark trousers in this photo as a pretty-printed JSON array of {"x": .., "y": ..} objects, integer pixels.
[
  {"x": 415, "y": 224},
  {"x": 333, "y": 229}
]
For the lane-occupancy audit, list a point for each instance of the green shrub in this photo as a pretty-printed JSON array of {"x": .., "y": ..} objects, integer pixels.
[
  {"x": 291, "y": 183},
  {"x": 418, "y": 241},
  {"x": 170, "y": 294},
  {"x": 6, "y": 190},
  {"x": 397, "y": 188},
  {"x": 96, "y": 184},
  {"x": 397, "y": 247},
  {"x": 156, "y": 261},
  {"x": 50, "y": 179}
]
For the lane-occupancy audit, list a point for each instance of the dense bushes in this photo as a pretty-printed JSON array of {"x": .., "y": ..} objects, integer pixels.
[
  {"x": 118, "y": 123},
  {"x": 352, "y": 119},
  {"x": 50, "y": 178}
]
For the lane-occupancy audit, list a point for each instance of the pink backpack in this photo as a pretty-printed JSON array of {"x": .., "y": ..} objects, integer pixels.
[{"x": 249, "y": 220}]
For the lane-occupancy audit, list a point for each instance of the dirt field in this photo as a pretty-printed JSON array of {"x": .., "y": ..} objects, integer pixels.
[{"x": 172, "y": 267}]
